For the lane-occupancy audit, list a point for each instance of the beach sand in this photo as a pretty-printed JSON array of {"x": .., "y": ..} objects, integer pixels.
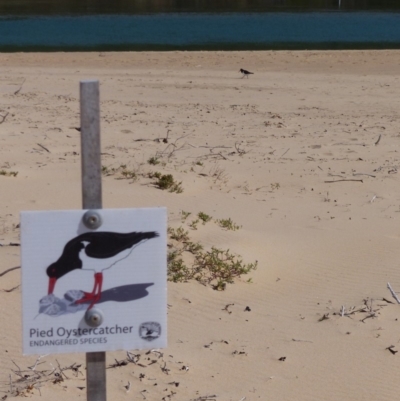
[{"x": 303, "y": 156}]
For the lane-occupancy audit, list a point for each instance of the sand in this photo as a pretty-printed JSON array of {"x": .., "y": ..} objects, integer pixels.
[{"x": 303, "y": 156}]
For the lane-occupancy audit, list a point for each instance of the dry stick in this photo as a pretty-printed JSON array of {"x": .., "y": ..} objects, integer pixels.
[
  {"x": 369, "y": 175},
  {"x": 240, "y": 151},
  {"x": 329, "y": 182},
  {"x": 206, "y": 397},
  {"x": 285, "y": 153},
  {"x": 380, "y": 136},
  {"x": 211, "y": 155},
  {"x": 301, "y": 341},
  {"x": 47, "y": 150},
  {"x": 37, "y": 361},
  {"x": 12, "y": 289},
  {"x": 214, "y": 147},
  {"x": 393, "y": 293},
  {"x": 61, "y": 370},
  {"x": 19, "y": 369},
  {"x": 4, "y": 117},
  {"x": 17, "y": 91},
  {"x": 9, "y": 270}
]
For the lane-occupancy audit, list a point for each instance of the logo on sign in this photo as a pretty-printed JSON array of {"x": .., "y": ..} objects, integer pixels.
[{"x": 150, "y": 331}]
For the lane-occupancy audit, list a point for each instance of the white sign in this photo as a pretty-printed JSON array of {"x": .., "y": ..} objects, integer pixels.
[{"x": 119, "y": 269}]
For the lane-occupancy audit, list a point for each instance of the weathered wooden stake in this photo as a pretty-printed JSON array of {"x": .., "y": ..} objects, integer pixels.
[{"x": 92, "y": 199}]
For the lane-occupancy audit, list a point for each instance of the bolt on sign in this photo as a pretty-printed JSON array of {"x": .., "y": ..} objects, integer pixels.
[{"x": 94, "y": 289}]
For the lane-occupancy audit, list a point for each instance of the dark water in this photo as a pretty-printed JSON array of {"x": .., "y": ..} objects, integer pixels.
[
  {"x": 95, "y": 7},
  {"x": 198, "y": 24}
]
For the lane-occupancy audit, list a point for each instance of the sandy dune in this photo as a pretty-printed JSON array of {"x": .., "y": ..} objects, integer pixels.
[{"x": 303, "y": 155}]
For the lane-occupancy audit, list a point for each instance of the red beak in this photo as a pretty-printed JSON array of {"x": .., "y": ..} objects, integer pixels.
[{"x": 52, "y": 283}]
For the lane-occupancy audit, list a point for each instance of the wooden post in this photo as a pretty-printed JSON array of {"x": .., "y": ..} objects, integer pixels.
[{"x": 92, "y": 199}]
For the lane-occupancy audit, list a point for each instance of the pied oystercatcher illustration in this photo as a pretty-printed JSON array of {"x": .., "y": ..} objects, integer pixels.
[
  {"x": 245, "y": 73},
  {"x": 97, "y": 251}
]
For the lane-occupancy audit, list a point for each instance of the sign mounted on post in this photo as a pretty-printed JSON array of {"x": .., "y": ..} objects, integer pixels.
[{"x": 94, "y": 282}]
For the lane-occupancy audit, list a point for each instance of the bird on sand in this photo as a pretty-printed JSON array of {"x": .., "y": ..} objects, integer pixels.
[
  {"x": 96, "y": 251},
  {"x": 245, "y": 73}
]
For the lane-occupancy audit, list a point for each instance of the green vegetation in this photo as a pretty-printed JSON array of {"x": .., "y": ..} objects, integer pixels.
[
  {"x": 121, "y": 172},
  {"x": 193, "y": 224},
  {"x": 185, "y": 215},
  {"x": 205, "y": 218},
  {"x": 216, "y": 267},
  {"x": 153, "y": 161},
  {"x": 178, "y": 234},
  {"x": 167, "y": 181},
  {"x": 228, "y": 224},
  {"x": 8, "y": 173}
]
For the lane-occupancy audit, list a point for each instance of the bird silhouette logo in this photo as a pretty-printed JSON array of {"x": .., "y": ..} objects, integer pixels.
[{"x": 95, "y": 251}]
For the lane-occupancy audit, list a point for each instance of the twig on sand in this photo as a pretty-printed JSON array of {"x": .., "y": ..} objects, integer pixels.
[
  {"x": 213, "y": 155},
  {"x": 287, "y": 150},
  {"x": 394, "y": 295},
  {"x": 43, "y": 147},
  {"x": 12, "y": 289},
  {"x": 380, "y": 136},
  {"x": 9, "y": 270},
  {"x": 392, "y": 350},
  {"x": 301, "y": 341},
  {"x": 206, "y": 397},
  {"x": 369, "y": 175},
  {"x": 3, "y": 117},
  {"x": 173, "y": 146},
  {"x": 18, "y": 90},
  {"x": 330, "y": 182},
  {"x": 33, "y": 367},
  {"x": 241, "y": 152}
]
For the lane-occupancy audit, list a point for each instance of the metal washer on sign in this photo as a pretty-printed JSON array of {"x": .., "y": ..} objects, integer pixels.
[
  {"x": 92, "y": 219},
  {"x": 94, "y": 317}
]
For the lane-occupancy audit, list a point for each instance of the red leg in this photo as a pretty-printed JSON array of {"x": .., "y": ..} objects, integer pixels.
[{"x": 95, "y": 295}]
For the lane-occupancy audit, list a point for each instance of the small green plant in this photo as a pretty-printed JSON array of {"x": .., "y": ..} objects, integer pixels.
[
  {"x": 8, "y": 173},
  {"x": 205, "y": 218},
  {"x": 122, "y": 172},
  {"x": 228, "y": 224},
  {"x": 193, "y": 247},
  {"x": 218, "y": 267},
  {"x": 193, "y": 224},
  {"x": 167, "y": 181},
  {"x": 129, "y": 174},
  {"x": 178, "y": 234},
  {"x": 185, "y": 215},
  {"x": 155, "y": 174},
  {"x": 105, "y": 170},
  {"x": 178, "y": 272},
  {"x": 275, "y": 185},
  {"x": 153, "y": 161}
]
